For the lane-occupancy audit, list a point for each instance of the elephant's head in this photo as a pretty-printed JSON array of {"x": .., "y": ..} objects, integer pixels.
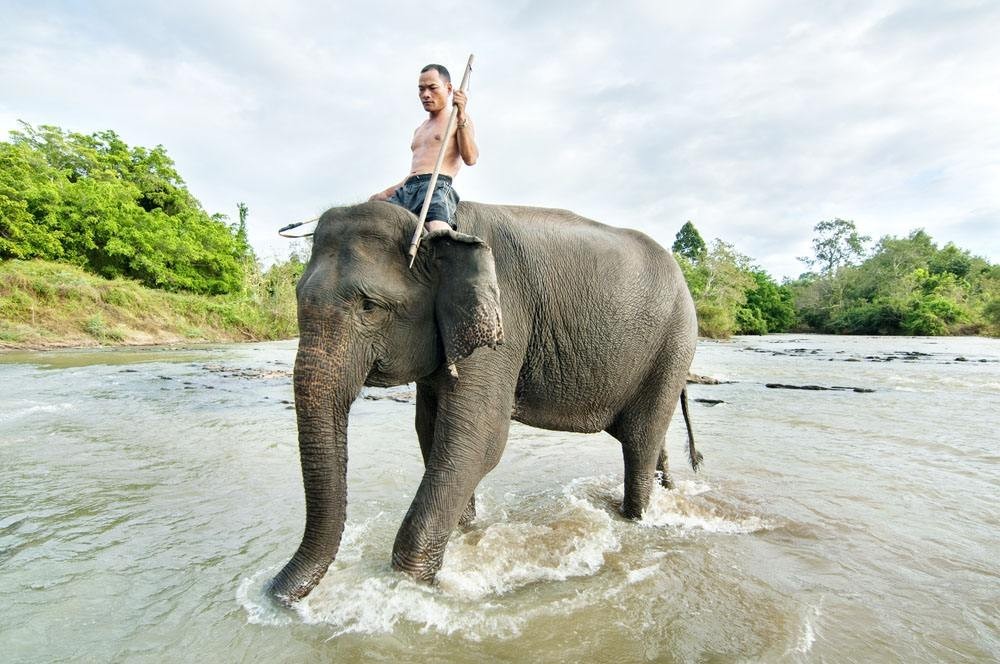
[{"x": 366, "y": 318}]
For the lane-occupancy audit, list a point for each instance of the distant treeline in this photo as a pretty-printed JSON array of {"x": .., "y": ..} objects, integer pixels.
[
  {"x": 124, "y": 212},
  {"x": 905, "y": 286}
]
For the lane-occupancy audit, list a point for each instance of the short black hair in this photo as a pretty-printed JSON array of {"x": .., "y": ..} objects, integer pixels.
[{"x": 441, "y": 69}]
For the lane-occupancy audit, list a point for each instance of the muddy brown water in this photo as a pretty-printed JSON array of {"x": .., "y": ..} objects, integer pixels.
[{"x": 146, "y": 496}]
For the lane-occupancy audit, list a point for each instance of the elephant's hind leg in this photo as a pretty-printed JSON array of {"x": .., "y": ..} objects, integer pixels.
[
  {"x": 640, "y": 450},
  {"x": 663, "y": 468},
  {"x": 642, "y": 431}
]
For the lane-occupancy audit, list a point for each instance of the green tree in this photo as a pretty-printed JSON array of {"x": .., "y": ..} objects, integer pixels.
[
  {"x": 93, "y": 201},
  {"x": 836, "y": 243},
  {"x": 28, "y": 188},
  {"x": 241, "y": 230},
  {"x": 688, "y": 243},
  {"x": 951, "y": 260},
  {"x": 719, "y": 283},
  {"x": 768, "y": 307}
]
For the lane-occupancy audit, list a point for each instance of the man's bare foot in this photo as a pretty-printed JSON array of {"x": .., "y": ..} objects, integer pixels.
[{"x": 435, "y": 225}]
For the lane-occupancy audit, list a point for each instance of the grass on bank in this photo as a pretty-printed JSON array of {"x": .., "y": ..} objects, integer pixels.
[{"x": 45, "y": 304}]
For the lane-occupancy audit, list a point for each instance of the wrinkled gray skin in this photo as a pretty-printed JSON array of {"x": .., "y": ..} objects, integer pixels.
[{"x": 533, "y": 314}]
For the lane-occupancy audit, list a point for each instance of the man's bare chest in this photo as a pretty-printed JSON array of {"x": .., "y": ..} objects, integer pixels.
[{"x": 427, "y": 136}]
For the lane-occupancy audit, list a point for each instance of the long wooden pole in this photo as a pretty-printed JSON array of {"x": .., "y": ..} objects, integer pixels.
[{"x": 415, "y": 240}]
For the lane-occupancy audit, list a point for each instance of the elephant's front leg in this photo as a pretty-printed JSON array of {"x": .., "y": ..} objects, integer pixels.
[
  {"x": 470, "y": 431},
  {"x": 427, "y": 404}
]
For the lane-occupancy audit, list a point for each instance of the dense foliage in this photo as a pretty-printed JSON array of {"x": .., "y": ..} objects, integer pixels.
[
  {"x": 903, "y": 286},
  {"x": 731, "y": 295},
  {"x": 117, "y": 211}
]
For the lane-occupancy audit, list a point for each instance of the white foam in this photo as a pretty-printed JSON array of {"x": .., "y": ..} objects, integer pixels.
[
  {"x": 36, "y": 408},
  {"x": 261, "y": 610},
  {"x": 675, "y": 508},
  {"x": 693, "y": 487},
  {"x": 378, "y": 603},
  {"x": 807, "y": 637},
  {"x": 483, "y": 568},
  {"x": 680, "y": 508},
  {"x": 641, "y": 574},
  {"x": 505, "y": 556},
  {"x": 360, "y": 593},
  {"x": 259, "y": 607}
]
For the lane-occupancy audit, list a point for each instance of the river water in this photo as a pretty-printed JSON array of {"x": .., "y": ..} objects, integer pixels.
[{"x": 146, "y": 496}]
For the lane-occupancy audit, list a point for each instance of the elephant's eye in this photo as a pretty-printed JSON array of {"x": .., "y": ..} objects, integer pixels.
[{"x": 368, "y": 306}]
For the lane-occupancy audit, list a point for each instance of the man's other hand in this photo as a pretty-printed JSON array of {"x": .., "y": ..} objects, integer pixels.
[{"x": 460, "y": 99}]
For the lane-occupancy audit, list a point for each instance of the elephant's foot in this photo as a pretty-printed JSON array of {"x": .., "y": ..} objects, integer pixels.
[
  {"x": 419, "y": 557},
  {"x": 469, "y": 515},
  {"x": 636, "y": 498},
  {"x": 422, "y": 567},
  {"x": 631, "y": 513}
]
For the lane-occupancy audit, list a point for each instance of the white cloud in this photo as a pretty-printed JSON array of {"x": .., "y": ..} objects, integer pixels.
[{"x": 754, "y": 120}]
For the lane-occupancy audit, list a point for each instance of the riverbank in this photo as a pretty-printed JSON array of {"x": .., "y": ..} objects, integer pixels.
[{"x": 56, "y": 305}]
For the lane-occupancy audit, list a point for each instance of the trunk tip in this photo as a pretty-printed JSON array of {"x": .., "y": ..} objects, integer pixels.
[{"x": 286, "y": 590}]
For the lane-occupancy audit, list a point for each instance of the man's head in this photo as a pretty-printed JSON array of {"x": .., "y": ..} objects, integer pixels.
[{"x": 434, "y": 86}]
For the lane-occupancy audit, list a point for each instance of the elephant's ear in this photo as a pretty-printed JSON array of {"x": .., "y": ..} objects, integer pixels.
[{"x": 467, "y": 304}]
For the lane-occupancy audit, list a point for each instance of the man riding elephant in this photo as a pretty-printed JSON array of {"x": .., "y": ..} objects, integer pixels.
[
  {"x": 534, "y": 314},
  {"x": 434, "y": 86}
]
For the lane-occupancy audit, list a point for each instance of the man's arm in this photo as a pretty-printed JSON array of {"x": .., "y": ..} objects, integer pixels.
[
  {"x": 465, "y": 132},
  {"x": 386, "y": 193}
]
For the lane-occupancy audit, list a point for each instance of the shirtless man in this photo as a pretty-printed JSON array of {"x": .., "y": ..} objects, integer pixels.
[{"x": 435, "y": 87}]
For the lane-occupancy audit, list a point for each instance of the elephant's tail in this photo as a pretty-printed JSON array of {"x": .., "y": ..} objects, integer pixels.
[{"x": 694, "y": 456}]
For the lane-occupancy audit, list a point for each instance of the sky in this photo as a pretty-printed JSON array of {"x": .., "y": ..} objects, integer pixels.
[{"x": 754, "y": 120}]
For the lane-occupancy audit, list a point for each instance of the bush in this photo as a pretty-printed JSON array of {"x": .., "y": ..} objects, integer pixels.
[
  {"x": 768, "y": 307},
  {"x": 931, "y": 316}
]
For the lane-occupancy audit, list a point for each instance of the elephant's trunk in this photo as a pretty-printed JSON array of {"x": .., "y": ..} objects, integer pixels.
[{"x": 326, "y": 383}]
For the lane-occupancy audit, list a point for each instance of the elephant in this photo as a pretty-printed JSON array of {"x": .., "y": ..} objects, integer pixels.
[{"x": 531, "y": 314}]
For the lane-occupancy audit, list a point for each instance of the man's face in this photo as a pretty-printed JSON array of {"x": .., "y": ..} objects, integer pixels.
[{"x": 433, "y": 91}]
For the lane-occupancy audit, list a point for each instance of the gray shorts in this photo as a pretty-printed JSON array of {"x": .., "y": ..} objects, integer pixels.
[{"x": 443, "y": 201}]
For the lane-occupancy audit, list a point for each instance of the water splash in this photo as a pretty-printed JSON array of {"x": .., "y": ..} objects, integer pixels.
[
  {"x": 688, "y": 508},
  {"x": 506, "y": 556},
  {"x": 34, "y": 408},
  {"x": 807, "y": 633},
  {"x": 362, "y": 594},
  {"x": 261, "y": 609},
  {"x": 479, "y": 590}
]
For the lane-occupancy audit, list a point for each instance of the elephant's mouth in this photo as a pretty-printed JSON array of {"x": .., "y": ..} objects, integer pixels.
[{"x": 379, "y": 377}]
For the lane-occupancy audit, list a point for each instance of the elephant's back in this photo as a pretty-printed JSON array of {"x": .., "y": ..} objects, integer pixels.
[
  {"x": 546, "y": 238},
  {"x": 561, "y": 256},
  {"x": 591, "y": 304}
]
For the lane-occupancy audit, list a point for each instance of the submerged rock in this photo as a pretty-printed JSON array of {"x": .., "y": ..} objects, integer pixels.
[
  {"x": 400, "y": 396},
  {"x": 782, "y": 386},
  {"x": 695, "y": 379}
]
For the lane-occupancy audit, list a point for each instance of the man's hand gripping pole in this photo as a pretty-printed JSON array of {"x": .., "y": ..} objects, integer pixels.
[{"x": 415, "y": 241}]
